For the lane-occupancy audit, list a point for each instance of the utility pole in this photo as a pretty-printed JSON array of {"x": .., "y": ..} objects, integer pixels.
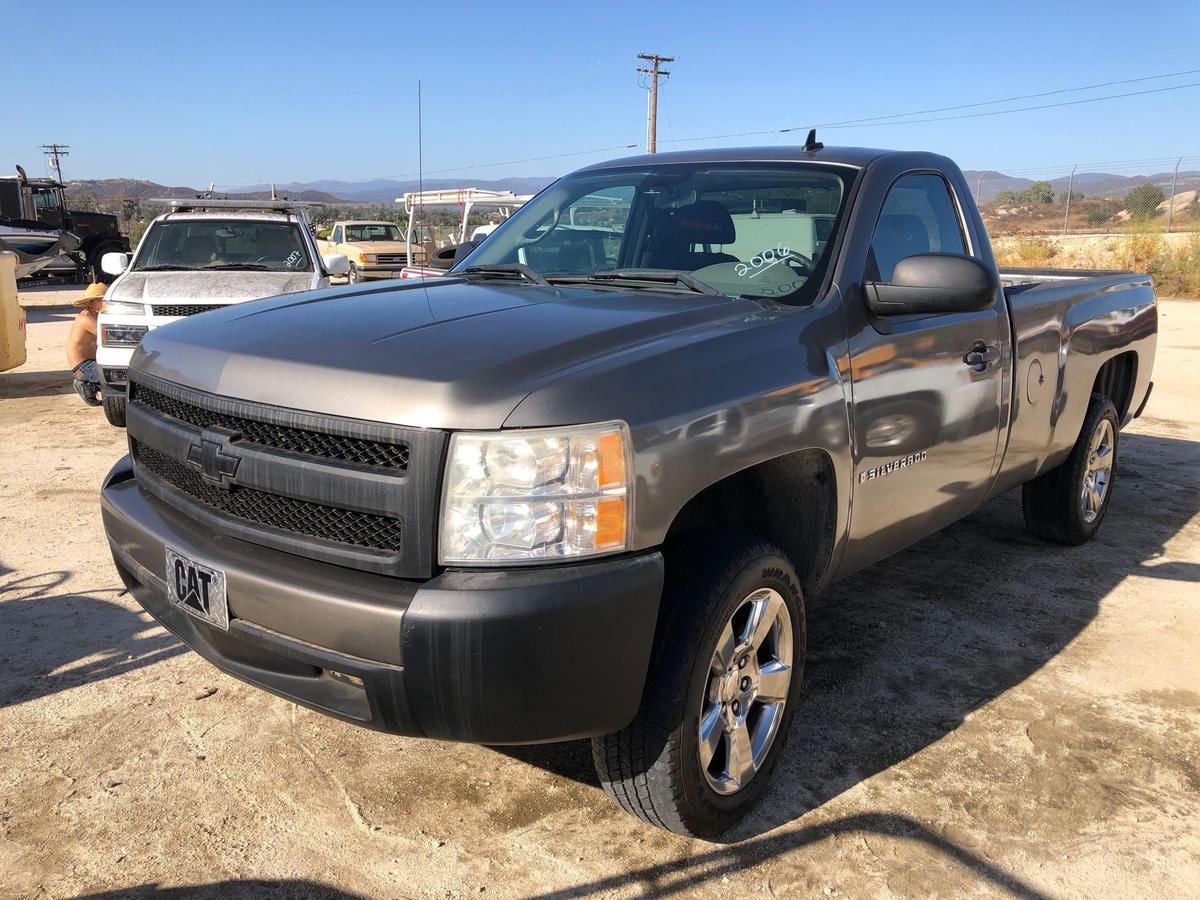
[
  {"x": 1070, "y": 190},
  {"x": 1171, "y": 201},
  {"x": 54, "y": 151},
  {"x": 655, "y": 73}
]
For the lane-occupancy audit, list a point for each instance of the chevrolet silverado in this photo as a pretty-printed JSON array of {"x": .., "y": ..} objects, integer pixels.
[{"x": 580, "y": 486}]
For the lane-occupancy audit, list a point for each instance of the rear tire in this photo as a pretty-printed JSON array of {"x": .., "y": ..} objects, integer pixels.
[
  {"x": 1067, "y": 504},
  {"x": 674, "y": 766},
  {"x": 114, "y": 410}
]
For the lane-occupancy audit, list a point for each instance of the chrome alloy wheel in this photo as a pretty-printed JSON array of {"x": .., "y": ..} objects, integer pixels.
[
  {"x": 748, "y": 683},
  {"x": 1098, "y": 474}
]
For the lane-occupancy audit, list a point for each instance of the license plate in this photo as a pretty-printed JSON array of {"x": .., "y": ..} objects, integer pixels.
[{"x": 199, "y": 589}]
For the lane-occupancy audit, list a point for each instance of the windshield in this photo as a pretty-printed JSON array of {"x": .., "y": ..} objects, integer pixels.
[
  {"x": 373, "y": 231},
  {"x": 758, "y": 230},
  {"x": 230, "y": 244}
]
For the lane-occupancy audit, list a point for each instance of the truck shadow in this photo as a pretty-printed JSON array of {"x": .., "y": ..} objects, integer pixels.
[
  {"x": 53, "y": 640},
  {"x": 683, "y": 876},
  {"x": 900, "y": 653},
  {"x": 234, "y": 887},
  {"x": 14, "y": 385},
  {"x": 35, "y": 315}
]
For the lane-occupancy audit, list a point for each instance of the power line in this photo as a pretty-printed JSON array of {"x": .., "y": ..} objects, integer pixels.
[
  {"x": 889, "y": 120},
  {"x": 847, "y": 123},
  {"x": 1086, "y": 87}
]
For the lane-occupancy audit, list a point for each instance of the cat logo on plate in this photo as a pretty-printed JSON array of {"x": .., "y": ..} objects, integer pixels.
[{"x": 199, "y": 589}]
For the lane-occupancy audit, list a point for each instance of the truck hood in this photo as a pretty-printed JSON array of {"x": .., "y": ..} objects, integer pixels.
[
  {"x": 443, "y": 354},
  {"x": 206, "y": 287}
]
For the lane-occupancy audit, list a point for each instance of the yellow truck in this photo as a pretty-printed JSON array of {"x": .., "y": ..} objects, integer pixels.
[{"x": 376, "y": 249}]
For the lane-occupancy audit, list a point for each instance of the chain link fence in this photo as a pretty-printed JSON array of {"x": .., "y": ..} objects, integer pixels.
[
  {"x": 1134, "y": 215},
  {"x": 1149, "y": 195}
]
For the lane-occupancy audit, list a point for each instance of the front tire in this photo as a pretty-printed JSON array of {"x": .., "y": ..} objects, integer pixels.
[
  {"x": 1067, "y": 504},
  {"x": 721, "y": 692},
  {"x": 114, "y": 410},
  {"x": 353, "y": 276}
]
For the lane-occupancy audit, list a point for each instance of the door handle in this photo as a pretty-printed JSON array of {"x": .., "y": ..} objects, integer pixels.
[{"x": 981, "y": 355}]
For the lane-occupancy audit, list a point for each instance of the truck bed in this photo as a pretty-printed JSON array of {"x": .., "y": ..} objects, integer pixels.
[{"x": 1066, "y": 323}]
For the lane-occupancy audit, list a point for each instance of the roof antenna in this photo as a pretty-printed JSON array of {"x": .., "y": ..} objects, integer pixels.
[{"x": 811, "y": 143}]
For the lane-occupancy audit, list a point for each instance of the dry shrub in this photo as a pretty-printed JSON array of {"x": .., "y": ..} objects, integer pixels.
[
  {"x": 1026, "y": 252},
  {"x": 1141, "y": 251},
  {"x": 1177, "y": 270}
]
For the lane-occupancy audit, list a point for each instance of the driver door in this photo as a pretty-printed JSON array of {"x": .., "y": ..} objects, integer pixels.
[{"x": 926, "y": 423}]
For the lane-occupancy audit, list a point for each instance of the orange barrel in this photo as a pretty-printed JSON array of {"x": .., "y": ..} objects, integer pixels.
[{"x": 12, "y": 317}]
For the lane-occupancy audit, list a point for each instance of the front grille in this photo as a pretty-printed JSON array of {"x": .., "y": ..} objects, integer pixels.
[
  {"x": 184, "y": 309},
  {"x": 343, "y": 526},
  {"x": 393, "y": 457},
  {"x": 391, "y": 259}
]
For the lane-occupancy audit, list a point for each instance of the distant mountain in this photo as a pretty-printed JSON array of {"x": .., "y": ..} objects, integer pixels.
[
  {"x": 114, "y": 190},
  {"x": 386, "y": 190},
  {"x": 1091, "y": 184}
]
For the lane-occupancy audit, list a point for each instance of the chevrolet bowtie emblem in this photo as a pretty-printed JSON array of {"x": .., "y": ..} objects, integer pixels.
[{"x": 211, "y": 460}]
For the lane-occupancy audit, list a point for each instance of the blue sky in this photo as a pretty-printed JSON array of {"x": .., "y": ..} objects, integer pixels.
[{"x": 187, "y": 93}]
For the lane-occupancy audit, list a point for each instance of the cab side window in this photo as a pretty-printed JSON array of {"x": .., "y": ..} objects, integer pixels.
[
  {"x": 918, "y": 216},
  {"x": 337, "y": 235}
]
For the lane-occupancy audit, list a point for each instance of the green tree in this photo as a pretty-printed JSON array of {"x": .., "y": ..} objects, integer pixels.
[
  {"x": 1038, "y": 192},
  {"x": 1142, "y": 202}
]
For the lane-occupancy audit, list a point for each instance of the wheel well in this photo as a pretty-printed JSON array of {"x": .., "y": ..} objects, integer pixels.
[
  {"x": 790, "y": 501},
  {"x": 1116, "y": 380}
]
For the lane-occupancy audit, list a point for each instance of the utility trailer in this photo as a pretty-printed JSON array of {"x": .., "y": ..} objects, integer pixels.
[{"x": 440, "y": 253}]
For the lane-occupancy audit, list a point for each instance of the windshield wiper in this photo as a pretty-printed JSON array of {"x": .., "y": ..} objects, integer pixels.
[
  {"x": 167, "y": 267},
  {"x": 239, "y": 266},
  {"x": 665, "y": 276},
  {"x": 531, "y": 275}
]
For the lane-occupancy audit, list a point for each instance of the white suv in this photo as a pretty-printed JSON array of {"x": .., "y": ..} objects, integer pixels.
[{"x": 203, "y": 255}]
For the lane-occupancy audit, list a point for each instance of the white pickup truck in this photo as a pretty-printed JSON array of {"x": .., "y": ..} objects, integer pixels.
[{"x": 200, "y": 256}]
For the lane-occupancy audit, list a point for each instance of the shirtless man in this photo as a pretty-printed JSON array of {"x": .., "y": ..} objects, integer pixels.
[{"x": 81, "y": 345}]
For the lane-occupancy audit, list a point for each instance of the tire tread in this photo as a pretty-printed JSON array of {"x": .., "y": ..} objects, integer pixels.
[{"x": 640, "y": 767}]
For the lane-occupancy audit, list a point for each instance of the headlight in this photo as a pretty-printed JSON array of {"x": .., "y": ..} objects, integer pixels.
[
  {"x": 536, "y": 495},
  {"x": 122, "y": 335},
  {"x": 117, "y": 308}
]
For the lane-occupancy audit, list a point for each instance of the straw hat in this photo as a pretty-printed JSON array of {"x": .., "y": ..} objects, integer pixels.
[{"x": 94, "y": 292}]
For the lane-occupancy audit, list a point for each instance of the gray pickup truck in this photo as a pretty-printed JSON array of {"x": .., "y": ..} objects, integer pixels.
[{"x": 579, "y": 487}]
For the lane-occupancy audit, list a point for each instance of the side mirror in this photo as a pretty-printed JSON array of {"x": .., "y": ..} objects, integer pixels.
[
  {"x": 933, "y": 283},
  {"x": 113, "y": 263},
  {"x": 336, "y": 264}
]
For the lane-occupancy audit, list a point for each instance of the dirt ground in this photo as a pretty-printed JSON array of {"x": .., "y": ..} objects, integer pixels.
[{"x": 983, "y": 715}]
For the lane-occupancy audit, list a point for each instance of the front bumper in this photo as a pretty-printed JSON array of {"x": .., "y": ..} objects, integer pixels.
[
  {"x": 374, "y": 272},
  {"x": 113, "y": 363},
  {"x": 514, "y": 656}
]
